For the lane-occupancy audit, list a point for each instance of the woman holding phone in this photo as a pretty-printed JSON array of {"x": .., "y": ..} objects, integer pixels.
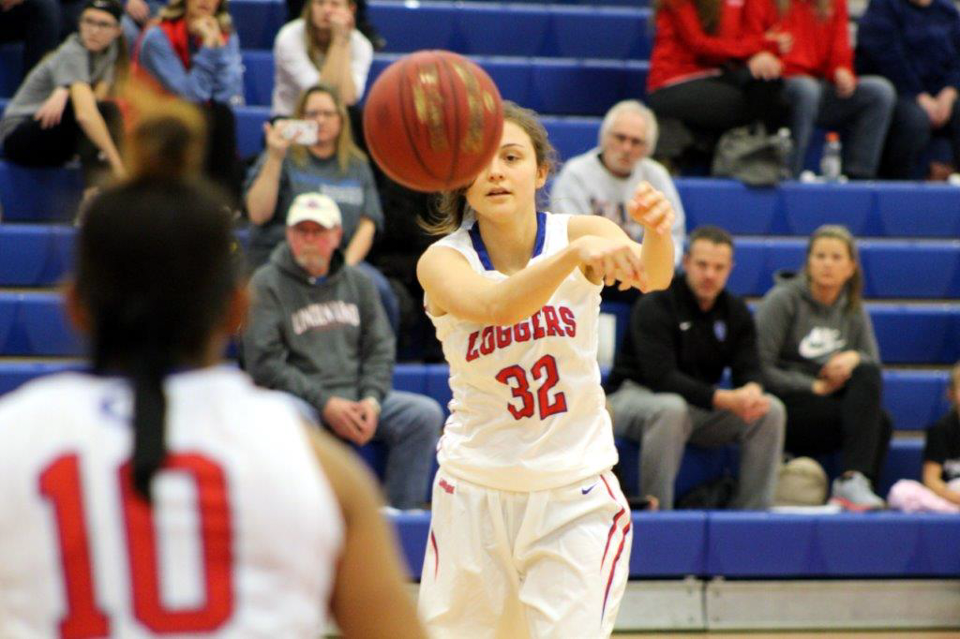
[{"x": 295, "y": 161}]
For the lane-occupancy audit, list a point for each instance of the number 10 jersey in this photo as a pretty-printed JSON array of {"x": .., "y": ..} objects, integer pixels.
[{"x": 528, "y": 412}]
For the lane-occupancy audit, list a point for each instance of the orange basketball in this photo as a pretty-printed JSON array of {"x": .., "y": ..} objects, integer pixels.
[{"x": 433, "y": 120}]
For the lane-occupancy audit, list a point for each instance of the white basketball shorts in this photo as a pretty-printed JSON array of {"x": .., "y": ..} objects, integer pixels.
[{"x": 501, "y": 564}]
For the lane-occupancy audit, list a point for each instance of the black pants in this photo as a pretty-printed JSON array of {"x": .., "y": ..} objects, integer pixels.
[
  {"x": 850, "y": 420},
  {"x": 34, "y": 22},
  {"x": 722, "y": 102},
  {"x": 909, "y": 136},
  {"x": 222, "y": 165},
  {"x": 31, "y": 145}
]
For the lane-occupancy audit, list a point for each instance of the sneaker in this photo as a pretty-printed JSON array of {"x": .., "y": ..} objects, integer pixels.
[{"x": 853, "y": 492}]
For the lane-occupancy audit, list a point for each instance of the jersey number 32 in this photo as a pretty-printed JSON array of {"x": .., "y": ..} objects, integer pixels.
[{"x": 545, "y": 367}]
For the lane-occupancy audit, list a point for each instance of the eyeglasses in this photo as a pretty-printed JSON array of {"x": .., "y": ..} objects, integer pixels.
[
  {"x": 620, "y": 138},
  {"x": 309, "y": 115},
  {"x": 103, "y": 25}
]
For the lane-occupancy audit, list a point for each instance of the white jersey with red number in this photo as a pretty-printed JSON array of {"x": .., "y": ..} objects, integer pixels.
[
  {"x": 241, "y": 541},
  {"x": 528, "y": 412}
]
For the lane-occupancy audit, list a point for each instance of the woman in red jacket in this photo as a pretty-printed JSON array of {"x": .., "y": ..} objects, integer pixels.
[
  {"x": 820, "y": 85},
  {"x": 712, "y": 68}
]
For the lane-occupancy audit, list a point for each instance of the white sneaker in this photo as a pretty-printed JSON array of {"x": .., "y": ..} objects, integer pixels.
[{"x": 853, "y": 492}]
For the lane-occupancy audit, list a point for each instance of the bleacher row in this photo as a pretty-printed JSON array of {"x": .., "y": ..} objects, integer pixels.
[{"x": 571, "y": 60}]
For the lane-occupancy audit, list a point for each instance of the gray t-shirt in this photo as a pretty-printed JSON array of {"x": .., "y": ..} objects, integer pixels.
[
  {"x": 69, "y": 64},
  {"x": 355, "y": 192}
]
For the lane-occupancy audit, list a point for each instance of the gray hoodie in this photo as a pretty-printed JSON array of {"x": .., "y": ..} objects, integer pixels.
[
  {"x": 797, "y": 334},
  {"x": 317, "y": 338}
]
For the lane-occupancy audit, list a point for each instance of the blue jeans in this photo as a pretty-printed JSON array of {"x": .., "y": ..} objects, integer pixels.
[
  {"x": 862, "y": 119},
  {"x": 409, "y": 427}
]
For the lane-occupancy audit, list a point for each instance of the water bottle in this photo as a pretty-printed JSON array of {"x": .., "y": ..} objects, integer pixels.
[{"x": 830, "y": 160}]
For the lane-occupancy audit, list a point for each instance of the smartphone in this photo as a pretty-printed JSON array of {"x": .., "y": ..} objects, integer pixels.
[{"x": 299, "y": 131}]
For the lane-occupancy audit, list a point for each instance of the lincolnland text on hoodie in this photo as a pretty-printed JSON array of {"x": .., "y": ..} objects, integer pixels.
[
  {"x": 317, "y": 338},
  {"x": 798, "y": 335}
]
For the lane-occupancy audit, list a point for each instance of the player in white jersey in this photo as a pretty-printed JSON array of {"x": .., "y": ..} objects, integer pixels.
[
  {"x": 162, "y": 493},
  {"x": 530, "y": 533}
]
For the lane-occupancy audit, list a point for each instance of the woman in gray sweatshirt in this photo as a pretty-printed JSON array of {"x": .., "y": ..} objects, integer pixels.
[{"x": 820, "y": 357}]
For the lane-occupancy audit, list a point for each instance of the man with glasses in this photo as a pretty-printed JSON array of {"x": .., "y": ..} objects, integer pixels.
[
  {"x": 602, "y": 180},
  {"x": 317, "y": 331}
]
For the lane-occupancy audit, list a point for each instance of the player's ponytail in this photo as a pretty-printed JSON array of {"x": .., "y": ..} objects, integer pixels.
[{"x": 155, "y": 275}]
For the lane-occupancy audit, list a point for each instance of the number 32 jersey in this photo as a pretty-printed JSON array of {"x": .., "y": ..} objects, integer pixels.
[
  {"x": 528, "y": 412},
  {"x": 241, "y": 541}
]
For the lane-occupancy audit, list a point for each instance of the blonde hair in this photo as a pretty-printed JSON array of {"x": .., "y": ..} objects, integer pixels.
[
  {"x": 854, "y": 285},
  {"x": 451, "y": 205},
  {"x": 177, "y": 9},
  {"x": 168, "y": 139},
  {"x": 311, "y": 35},
  {"x": 346, "y": 147}
]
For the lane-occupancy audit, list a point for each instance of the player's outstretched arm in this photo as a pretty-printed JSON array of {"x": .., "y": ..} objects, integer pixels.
[
  {"x": 452, "y": 286},
  {"x": 370, "y": 598}
]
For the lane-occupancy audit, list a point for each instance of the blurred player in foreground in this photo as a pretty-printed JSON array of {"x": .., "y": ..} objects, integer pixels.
[
  {"x": 161, "y": 492},
  {"x": 530, "y": 533}
]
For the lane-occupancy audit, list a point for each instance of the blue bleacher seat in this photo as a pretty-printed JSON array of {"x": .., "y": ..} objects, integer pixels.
[
  {"x": 617, "y": 33},
  {"x": 28, "y": 194},
  {"x": 542, "y": 84},
  {"x": 34, "y": 255},
  {"x": 895, "y": 209},
  {"x": 846, "y": 545}
]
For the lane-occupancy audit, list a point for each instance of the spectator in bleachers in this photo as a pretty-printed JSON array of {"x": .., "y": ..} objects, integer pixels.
[
  {"x": 940, "y": 490},
  {"x": 295, "y": 10},
  {"x": 36, "y": 23},
  {"x": 317, "y": 331},
  {"x": 712, "y": 70},
  {"x": 321, "y": 46},
  {"x": 916, "y": 45},
  {"x": 193, "y": 52},
  {"x": 664, "y": 386},
  {"x": 820, "y": 357},
  {"x": 332, "y": 165},
  {"x": 820, "y": 85},
  {"x": 602, "y": 180},
  {"x": 63, "y": 108}
]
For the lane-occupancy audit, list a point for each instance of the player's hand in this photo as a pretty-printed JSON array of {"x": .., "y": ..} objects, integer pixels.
[
  {"x": 51, "y": 112},
  {"x": 845, "y": 82},
  {"x": 139, "y": 10},
  {"x": 346, "y": 419},
  {"x": 277, "y": 143},
  {"x": 650, "y": 208},
  {"x": 765, "y": 66},
  {"x": 611, "y": 260},
  {"x": 839, "y": 367}
]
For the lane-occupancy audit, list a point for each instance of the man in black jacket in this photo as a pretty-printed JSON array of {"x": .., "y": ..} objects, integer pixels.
[{"x": 664, "y": 383}]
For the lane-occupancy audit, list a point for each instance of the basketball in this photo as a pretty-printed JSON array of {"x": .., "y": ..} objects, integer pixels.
[{"x": 433, "y": 120}]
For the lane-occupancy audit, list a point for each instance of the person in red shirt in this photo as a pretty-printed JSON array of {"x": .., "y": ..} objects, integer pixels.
[
  {"x": 821, "y": 86},
  {"x": 712, "y": 68}
]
